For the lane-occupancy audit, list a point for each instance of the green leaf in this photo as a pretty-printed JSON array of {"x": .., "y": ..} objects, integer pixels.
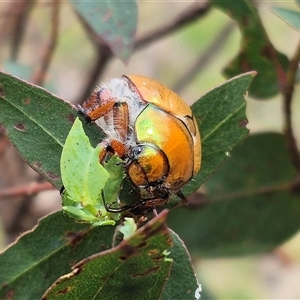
[
  {"x": 85, "y": 179},
  {"x": 291, "y": 17},
  {"x": 32, "y": 264},
  {"x": 37, "y": 123},
  {"x": 182, "y": 283},
  {"x": 115, "y": 167},
  {"x": 128, "y": 227},
  {"x": 253, "y": 202},
  {"x": 136, "y": 269},
  {"x": 257, "y": 52},
  {"x": 114, "y": 22},
  {"x": 82, "y": 174},
  {"x": 221, "y": 117}
]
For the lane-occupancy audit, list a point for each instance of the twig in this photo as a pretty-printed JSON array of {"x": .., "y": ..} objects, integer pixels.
[
  {"x": 283, "y": 257},
  {"x": 204, "y": 58},
  {"x": 288, "y": 96},
  {"x": 39, "y": 76},
  {"x": 200, "y": 199},
  {"x": 26, "y": 190},
  {"x": 17, "y": 222},
  {"x": 103, "y": 56},
  {"x": 192, "y": 14},
  {"x": 20, "y": 11}
]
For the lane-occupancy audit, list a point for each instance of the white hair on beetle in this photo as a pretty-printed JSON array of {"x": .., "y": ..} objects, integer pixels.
[{"x": 120, "y": 90}]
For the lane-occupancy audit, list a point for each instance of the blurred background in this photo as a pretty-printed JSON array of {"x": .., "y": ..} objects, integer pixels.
[{"x": 190, "y": 61}]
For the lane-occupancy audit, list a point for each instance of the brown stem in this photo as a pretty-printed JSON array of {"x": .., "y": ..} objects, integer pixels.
[
  {"x": 288, "y": 96},
  {"x": 16, "y": 224},
  {"x": 4, "y": 143},
  {"x": 103, "y": 56},
  {"x": 204, "y": 58},
  {"x": 39, "y": 76},
  {"x": 200, "y": 199},
  {"x": 19, "y": 10},
  {"x": 198, "y": 9},
  {"x": 26, "y": 190}
]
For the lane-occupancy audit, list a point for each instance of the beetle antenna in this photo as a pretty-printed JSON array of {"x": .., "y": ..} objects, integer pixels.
[
  {"x": 120, "y": 209},
  {"x": 182, "y": 197}
]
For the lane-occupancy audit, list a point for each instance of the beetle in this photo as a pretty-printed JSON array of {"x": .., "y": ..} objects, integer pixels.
[{"x": 153, "y": 130}]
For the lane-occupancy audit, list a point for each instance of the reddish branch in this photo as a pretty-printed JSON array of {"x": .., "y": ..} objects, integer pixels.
[
  {"x": 103, "y": 56},
  {"x": 18, "y": 13},
  {"x": 26, "y": 190},
  {"x": 193, "y": 13},
  {"x": 4, "y": 143},
  {"x": 288, "y": 96}
]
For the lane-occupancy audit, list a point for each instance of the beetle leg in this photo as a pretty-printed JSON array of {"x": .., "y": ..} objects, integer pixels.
[
  {"x": 120, "y": 209},
  {"x": 121, "y": 120},
  {"x": 112, "y": 147},
  {"x": 98, "y": 105},
  {"x": 97, "y": 112},
  {"x": 117, "y": 143},
  {"x": 139, "y": 208}
]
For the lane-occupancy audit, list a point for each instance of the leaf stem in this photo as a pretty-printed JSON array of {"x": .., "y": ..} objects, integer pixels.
[{"x": 287, "y": 98}]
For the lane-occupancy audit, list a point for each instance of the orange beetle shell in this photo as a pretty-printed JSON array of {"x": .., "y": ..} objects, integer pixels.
[{"x": 157, "y": 94}]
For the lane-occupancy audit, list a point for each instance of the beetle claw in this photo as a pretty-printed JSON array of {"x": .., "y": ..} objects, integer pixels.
[{"x": 62, "y": 189}]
